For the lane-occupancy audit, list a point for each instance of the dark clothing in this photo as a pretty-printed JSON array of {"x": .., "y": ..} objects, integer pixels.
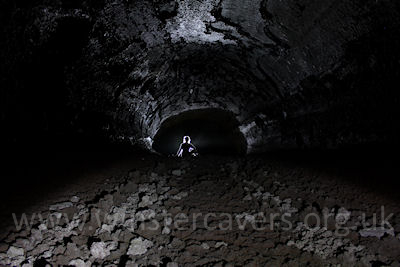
[{"x": 187, "y": 149}]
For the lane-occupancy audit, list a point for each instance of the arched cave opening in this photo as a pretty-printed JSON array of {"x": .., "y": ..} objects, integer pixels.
[{"x": 213, "y": 131}]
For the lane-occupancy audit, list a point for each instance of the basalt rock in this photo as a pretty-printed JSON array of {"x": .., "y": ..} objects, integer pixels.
[{"x": 291, "y": 73}]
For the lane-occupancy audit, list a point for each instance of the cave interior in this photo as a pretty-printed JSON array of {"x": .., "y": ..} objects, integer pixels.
[{"x": 292, "y": 105}]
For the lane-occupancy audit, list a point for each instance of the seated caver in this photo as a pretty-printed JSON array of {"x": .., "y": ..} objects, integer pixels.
[{"x": 186, "y": 148}]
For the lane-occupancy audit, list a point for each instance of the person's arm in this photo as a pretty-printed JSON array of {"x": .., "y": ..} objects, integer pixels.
[
  {"x": 179, "y": 153},
  {"x": 194, "y": 148}
]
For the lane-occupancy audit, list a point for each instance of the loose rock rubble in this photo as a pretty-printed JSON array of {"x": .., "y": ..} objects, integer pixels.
[
  {"x": 222, "y": 212},
  {"x": 139, "y": 246}
]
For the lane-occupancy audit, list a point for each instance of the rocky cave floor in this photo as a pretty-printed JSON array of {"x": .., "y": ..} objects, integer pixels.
[{"x": 215, "y": 211}]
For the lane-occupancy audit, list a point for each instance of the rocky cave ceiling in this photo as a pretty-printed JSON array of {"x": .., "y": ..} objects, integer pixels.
[{"x": 315, "y": 73}]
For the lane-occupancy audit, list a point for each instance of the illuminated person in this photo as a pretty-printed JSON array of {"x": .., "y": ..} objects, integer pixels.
[{"x": 186, "y": 148}]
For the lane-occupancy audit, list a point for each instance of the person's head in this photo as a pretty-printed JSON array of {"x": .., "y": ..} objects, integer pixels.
[{"x": 186, "y": 139}]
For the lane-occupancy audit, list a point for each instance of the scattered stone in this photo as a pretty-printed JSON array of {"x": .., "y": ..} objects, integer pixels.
[
  {"x": 145, "y": 215},
  {"x": 42, "y": 227},
  {"x": 147, "y": 188},
  {"x": 149, "y": 229},
  {"x": 290, "y": 243},
  {"x": 77, "y": 263},
  {"x": 74, "y": 199},
  {"x": 133, "y": 211},
  {"x": 47, "y": 254},
  {"x": 130, "y": 224},
  {"x": 205, "y": 246},
  {"x": 376, "y": 232},
  {"x": 73, "y": 251},
  {"x": 61, "y": 206},
  {"x": 343, "y": 215},
  {"x": 59, "y": 250},
  {"x": 106, "y": 228},
  {"x": 220, "y": 244},
  {"x": 180, "y": 195},
  {"x": 266, "y": 196},
  {"x": 177, "y": 172},
  {"x": 139, "y": 246},
  {"x": 247, "y": 198},
  {"x": 101, "y": 250},
  {"x": 25, "y": 243},
  {"x": 146, "y": 201},
  {"x": 57, "y": 215},
  {"x": 129, "y": 187},
  {"x": 15, "y": 252},
  {"x": 131, "y": 264},
  {"x": 166, "y": 230}
]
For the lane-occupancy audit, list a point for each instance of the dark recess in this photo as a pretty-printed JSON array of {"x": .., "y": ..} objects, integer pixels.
[{"x": 213, "y": 131}]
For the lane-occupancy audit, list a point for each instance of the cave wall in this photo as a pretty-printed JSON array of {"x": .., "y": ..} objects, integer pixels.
[{"x": 299, "y": 73}]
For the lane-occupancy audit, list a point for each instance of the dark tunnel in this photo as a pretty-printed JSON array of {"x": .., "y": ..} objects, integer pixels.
[{"x": 212, "y": 131}]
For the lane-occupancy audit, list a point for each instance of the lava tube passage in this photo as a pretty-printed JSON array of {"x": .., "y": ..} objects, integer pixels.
[{"x": 212, "y": 131}]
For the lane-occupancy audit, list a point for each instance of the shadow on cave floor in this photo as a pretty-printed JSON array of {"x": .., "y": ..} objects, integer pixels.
[
  {"x": 372, "y": 167},
  {"x": 357, "y": 179},
  {"x": 31, "y": 174},
  {"x": 32, "y": 177}
]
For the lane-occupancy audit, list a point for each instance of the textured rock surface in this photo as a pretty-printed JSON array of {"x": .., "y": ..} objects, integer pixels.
[
  {"x": 294, "y": 73},
  {"x": 217, "y": 213},
  {"x": 139, "y": 246}
]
